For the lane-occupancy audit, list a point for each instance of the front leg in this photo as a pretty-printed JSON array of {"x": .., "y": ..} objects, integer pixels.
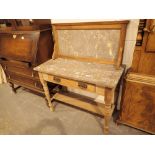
[
  {"x": 109, "y": 97},
  {"x": 46, "y": 91}
]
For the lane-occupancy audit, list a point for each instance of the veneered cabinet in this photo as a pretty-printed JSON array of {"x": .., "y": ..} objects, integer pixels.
[
  {"x": 22, "y": 47},
  {"x": 138, "y": 105}
]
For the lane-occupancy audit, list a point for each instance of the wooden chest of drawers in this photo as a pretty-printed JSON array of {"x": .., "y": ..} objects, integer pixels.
[{"x": 22, "y": 49}]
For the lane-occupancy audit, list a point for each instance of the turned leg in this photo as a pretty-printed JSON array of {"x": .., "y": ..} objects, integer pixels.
[
  {"x": 46, "y": 91},
  {"x": 109, "y": 99},
  {"x": 106, "y": 124}
]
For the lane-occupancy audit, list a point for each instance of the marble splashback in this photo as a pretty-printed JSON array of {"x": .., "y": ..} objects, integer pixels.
[{"x": 89, "y": 43}]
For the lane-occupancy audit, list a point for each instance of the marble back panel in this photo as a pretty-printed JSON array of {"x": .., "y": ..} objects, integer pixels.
[{"x": 102, "y": 44}]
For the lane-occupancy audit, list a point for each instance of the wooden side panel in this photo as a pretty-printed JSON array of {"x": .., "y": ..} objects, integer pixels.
[
  {"x": 150, "y": 47},
  {"x": 147, "y": 64},
  {"x": 45, "y": 47},
  {"x": 138, "y": 106},
  {"x": 144, "y": 57}
]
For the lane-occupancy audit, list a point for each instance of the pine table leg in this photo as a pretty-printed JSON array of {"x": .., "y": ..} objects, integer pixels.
[
  {"x": 46, "y": 90},
  {"x": 109, "y": 97}
]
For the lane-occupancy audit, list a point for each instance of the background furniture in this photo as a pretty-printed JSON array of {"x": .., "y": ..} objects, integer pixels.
[
  {"x": 24, "y": 44},
  {"x": 138, "y": 100},
  {"x": 87, "y": 56}
]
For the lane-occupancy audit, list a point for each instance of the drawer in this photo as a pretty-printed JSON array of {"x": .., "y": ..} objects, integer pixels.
[
  {"x": 23, "y": 80},
  {"x": 18, "y": 46},
  {"x": 28, "y": 72},
  {"x": 69, "y": 83},
  {"x": 18, "y": 64}
]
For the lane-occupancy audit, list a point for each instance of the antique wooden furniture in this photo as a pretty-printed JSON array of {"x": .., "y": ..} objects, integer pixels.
[
  {"x": 87, "y": 56},
  {"x": 24, "y": 44},
  {"x": 138, "y": 100}
]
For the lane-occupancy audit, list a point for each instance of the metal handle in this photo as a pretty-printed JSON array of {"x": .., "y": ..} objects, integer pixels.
[
  {"x": 56, "y": 79},
  {"x": 82, "y": 85}
]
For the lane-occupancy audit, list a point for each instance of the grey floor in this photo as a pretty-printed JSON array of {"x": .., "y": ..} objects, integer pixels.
[{"x": 27, "y": 113}]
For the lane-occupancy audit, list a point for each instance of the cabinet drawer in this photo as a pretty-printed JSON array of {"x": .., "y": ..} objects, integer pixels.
[
  {"x": 18, "y": 46},
  {"x": 16, "y": 78},
  {"x": 69, "y": 83},
  {"x": 27, "y": 72},
  {"x": 14, "y": 63}
]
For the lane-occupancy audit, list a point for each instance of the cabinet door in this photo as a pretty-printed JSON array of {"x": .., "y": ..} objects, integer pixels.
[
  {"x": 138, "y": 106},
  {"x": 18, "y": 46},
  {"x": 150, "y": 46}
]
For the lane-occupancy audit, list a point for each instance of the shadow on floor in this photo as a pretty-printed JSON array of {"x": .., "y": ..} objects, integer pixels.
[{"x": 56, "y": 123}]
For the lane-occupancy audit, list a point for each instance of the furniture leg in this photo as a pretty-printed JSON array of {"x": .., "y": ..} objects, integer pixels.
[
  {"x": 12, "y": 86},
  {"x": 109, "y": 99},
  {"x": 106, "y": 124},
  {"x": 46, "y": 90}
]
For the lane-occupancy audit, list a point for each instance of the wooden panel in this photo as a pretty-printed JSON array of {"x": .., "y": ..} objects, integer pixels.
[
  {"x": 20, "y": 47},
  {"x": 100, "y": 91},
  {"x": 45, "y": 47},
  {"x": 150, "y": 47},
  {"x": 69, "y": 83},
  {"x": 138, "y": 106},
  {"x": 147, "y": 64},
  {"x": 144, "y": 60}
]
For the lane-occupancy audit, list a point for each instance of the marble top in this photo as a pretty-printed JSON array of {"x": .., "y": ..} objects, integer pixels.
[{"x": 103, "y": 75}]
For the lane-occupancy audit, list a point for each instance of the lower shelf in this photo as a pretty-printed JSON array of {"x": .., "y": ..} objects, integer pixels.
[{"x": 82, "y": 102}]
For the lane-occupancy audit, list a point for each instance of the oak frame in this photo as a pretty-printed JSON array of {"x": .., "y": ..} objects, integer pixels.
[{"x": 114, "y": 25}]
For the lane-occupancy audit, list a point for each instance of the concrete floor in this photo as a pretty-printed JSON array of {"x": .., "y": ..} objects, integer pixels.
[{"x": 26, "y": 113}]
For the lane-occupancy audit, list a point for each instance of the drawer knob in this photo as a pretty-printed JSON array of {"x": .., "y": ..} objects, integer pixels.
[
  {"x": 14, "y": 36},
  {"x": 82, "y": 85},
  {"x": 56, "y": 79},
  {"x": 22, "y": 38}
]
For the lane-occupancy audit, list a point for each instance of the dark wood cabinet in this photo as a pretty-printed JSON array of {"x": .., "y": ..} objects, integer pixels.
[
  {"x": 22, "y": 47},
  {"x": 138, "y": 100}
]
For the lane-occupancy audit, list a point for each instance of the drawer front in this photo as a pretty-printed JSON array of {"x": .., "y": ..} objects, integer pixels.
[
  {"x": 69, "y": 83},
  {"x": 27, "y": 72},
  {"x": 14, "y": 63},
  {"x": 13, "y": 77},
  {"x": 19, "y": 46}
]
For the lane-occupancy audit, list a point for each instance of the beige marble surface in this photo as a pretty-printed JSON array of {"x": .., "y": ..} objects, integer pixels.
[
  {"x": 97, "y": 74},
  {"x": 89, "y": 43}
]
